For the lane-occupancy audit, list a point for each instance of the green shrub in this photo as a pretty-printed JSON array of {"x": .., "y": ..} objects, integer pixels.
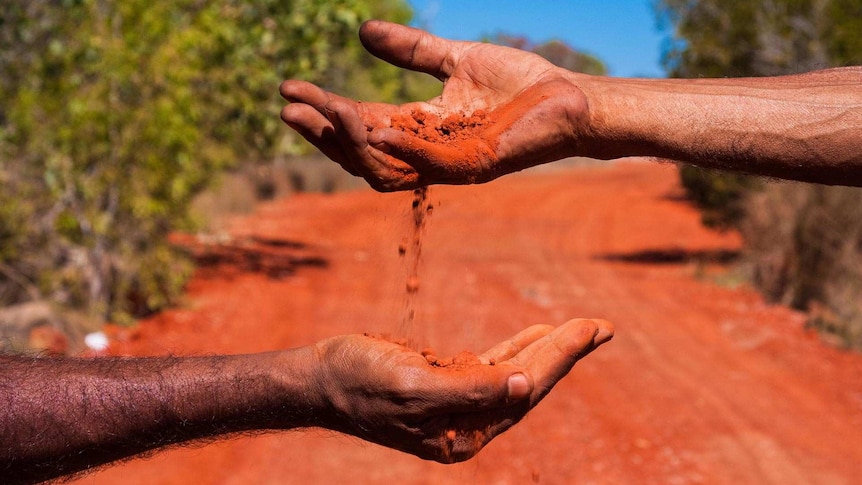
[{"x": 115, "y": 114}]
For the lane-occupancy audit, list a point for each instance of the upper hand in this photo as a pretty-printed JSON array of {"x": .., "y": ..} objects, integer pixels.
[
  {"x": 388, "y": 394},
  {"x": 531, "y": 112}
]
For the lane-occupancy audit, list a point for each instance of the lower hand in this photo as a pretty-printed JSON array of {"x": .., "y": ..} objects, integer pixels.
[{"x": 388, "y": 394}]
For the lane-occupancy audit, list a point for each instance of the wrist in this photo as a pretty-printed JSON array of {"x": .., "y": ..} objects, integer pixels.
[
  {"x": 296, "y": 377},
  {"x": 588, "y": 134},
  {"x": 325, "y": 385},
  {"x": 610, "y": 129},
  {"x": 264, "y": 391},
  {"x": 545, "y": 122}
]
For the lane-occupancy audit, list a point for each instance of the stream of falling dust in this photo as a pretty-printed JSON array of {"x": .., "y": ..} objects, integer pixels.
[{"x": 410, "y": 250}]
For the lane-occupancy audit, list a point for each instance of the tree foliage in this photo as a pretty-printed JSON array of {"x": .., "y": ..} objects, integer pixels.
[
  {"x": 116, "y": 113},
  {"x": 804, "y": 241}
]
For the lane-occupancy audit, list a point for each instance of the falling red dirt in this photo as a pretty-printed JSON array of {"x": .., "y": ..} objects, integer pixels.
[{"x": 702, "y": 383}]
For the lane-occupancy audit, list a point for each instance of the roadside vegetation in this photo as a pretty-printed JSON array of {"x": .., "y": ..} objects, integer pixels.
[
  {"x": 120, "y": 117},
  {"x": 803, "y": 243},
  {"x": 116, "y": 114}
]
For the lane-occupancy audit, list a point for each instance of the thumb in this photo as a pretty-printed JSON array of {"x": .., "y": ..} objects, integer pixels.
[
  {"x": 519, "y": 387},
  {"x": 409, "y": 48},
  {"x": 478, "y": 387}
]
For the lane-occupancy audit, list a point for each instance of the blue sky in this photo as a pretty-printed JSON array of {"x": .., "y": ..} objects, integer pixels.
[{"x": 623, "y": 33}]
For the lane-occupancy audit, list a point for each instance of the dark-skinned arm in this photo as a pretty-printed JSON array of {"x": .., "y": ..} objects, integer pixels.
[{"x": 63, "y": 416}]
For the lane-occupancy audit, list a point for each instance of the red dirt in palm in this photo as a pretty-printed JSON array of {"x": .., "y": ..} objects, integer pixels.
[{"x": 703, "y": 383}]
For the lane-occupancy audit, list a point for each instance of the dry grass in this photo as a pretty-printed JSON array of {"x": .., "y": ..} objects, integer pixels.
[{"x": 804, "y": 249}]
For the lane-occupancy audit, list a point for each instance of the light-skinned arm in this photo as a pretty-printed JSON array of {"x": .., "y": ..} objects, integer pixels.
[
  {"x": 66, "y": 415},
  {"x": 805, "y": 127}
]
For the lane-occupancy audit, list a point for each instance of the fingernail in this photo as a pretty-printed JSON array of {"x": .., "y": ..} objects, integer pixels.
[
  {"x": 519, "y": 386},
  {"x": 602, "y": 336}
]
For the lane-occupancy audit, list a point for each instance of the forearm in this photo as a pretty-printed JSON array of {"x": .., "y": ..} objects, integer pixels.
[
  {"x": 805, "y": 127},
  {"x": 67, "y": 415}
]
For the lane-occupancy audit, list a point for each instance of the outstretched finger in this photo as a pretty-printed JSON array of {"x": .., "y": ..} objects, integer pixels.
[
  {"x": 511, "y": 347},
  {"x": 410, "y": 48},
  {"x": 550, "y": 358},
  {"x": 352, "y": 136},
  {"x": 374, "y": 115},
  {"x": 305, "y": 92},
  {"x": 318, "y": 130},
  {"x": 382, "y": 171}
]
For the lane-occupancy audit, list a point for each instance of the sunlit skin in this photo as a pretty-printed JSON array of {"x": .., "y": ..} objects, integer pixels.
[
  {"x": 66, "y": 415},
  {"x": 804, "y": 127}
]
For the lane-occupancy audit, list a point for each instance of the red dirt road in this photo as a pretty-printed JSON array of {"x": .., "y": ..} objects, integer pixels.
[{"x": 702, "y": 383}]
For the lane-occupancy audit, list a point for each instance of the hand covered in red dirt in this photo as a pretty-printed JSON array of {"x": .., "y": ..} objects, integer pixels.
[
  {"x": 501, "y": 110},
  {"x": 388, "y": 394}
]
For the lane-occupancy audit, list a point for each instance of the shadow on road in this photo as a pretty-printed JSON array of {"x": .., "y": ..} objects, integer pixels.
[
  {"x": 673, "y": 256},
  {"x": 275, "y": 258}
]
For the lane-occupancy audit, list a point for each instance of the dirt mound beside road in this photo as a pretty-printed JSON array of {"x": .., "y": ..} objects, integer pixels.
[{"x": 702, "y": 384}]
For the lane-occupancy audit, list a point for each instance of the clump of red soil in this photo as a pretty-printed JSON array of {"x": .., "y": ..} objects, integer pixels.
[
  {"x": 434, "y": 129},
  {"x": 462, "y": 360},
  {"x": 460, "y": 145}
]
